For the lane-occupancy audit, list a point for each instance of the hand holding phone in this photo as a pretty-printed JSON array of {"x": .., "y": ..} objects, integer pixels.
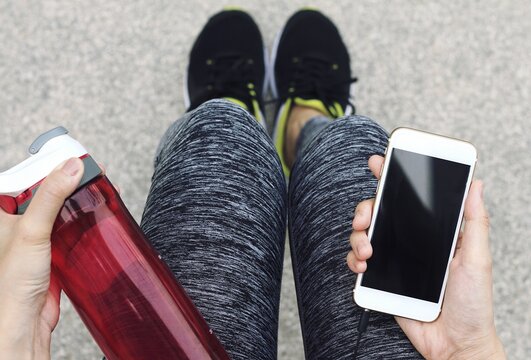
[{"x": 465, "y": 327}]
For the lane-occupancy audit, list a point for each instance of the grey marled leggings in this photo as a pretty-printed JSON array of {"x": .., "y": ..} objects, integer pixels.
[{"x": 216, "y": 212}]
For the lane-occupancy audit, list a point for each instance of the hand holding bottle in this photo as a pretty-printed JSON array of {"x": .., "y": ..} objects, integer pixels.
[
  {"x": 29, "y": 302},
  {"x": 77, "y": 235}
]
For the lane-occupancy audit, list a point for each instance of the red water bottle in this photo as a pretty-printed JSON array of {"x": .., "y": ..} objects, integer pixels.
[{"x": 125, "y": 294}]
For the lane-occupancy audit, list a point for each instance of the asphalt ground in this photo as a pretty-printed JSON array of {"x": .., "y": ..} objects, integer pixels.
[{"x": 112, "y": 72}]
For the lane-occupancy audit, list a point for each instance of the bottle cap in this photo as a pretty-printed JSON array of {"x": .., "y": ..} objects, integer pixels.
[{"x": 19, "y": 184}]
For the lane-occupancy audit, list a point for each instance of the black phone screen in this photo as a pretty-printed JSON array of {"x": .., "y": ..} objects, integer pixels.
[{"x": 415, "y": 225}]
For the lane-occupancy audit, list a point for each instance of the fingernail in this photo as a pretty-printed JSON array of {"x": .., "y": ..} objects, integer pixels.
[{"x": 71, "y": 167}]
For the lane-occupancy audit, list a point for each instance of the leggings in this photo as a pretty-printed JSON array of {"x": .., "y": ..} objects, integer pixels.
[{"x": 216, "y": 212}]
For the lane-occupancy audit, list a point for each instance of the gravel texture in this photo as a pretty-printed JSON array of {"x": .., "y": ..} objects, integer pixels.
[{"x": 111, "y": 72}]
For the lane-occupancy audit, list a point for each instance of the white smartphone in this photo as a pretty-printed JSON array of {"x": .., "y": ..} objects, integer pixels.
[{"x": 416, "y": 222}]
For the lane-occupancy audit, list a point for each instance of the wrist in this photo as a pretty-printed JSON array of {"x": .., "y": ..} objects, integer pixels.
[
  {"x": 15, "y": 343},
  {"x": 24, "y": 344},
  {"x": 14, "y": 352},
  {"x": 489, "y": 348},
  {"x": 21, "y": 337}
]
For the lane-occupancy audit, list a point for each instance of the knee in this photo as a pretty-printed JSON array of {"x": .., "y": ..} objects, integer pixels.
[
  {"x": 356, "y": 129},
  {"x": 215, "y": 121},
  {"x": 342, "y": 143},
  {"x": 217, "y": 126},
  {"x": 220, "y": 113}
]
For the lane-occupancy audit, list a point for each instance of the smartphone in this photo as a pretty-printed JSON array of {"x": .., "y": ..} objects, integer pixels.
[{"x": 416, "y": 221}]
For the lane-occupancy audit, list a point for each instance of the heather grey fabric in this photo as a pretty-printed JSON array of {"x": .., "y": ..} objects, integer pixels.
[
  {"x": 216, "y": 213},
  {"x": 328, "y": 180}
]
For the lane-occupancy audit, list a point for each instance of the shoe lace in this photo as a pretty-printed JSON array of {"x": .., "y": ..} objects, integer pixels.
[
  {"x": 229, "y": 75},
  {"x": 311, "y": 80}
]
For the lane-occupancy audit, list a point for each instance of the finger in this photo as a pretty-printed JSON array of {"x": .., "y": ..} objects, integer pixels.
[
  {"x": 50, "y": 197},
  {"x": 363, "y": 215},
  {"x": 6, "y": 221},
  {"x": 375, "y": 164},
  {"x": 356, "y": 265},
  {"x": 414, "y": 329},
  {"x": 475, "y": 243},
  {"x": 102, "y": 167},
  {"x": 51, "y": 310},
  {"x": 6, "y": 226},
  {"x": 103, "y": 172},
  {"x": 459, "y": 241},
  {"x": 55, "y": 289},
  {"x": 360, "y": 245}
]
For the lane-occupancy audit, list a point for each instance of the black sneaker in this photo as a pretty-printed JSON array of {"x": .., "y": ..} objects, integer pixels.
[
  {"x": 228, "y": 61},
  {"x": 311, "y": 67}
]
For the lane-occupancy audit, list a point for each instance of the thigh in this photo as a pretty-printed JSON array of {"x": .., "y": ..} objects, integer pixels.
[
  {"x": 328, "y": 180},
  {"x": 216, "y": 214}
]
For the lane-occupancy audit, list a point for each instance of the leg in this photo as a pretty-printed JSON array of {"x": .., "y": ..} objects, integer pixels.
[
  {"x": 216, "y": 214},
  {"x": 329, "y": 178}
]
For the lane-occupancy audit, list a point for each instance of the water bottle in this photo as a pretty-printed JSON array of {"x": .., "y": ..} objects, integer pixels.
[{"x": 125, "y": 294}]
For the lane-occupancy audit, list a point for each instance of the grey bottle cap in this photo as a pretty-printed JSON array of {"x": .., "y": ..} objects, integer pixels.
[{"x": 39, "y": 142}]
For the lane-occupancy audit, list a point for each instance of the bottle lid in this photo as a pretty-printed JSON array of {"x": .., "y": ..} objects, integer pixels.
[
  {"x": 46, "y": 153},
  {"x": 19, "y": 184}
]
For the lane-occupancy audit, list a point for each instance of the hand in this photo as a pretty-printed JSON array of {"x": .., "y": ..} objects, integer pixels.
[
  {"x": 465, "y": 328},
  {"x": 29, "y": 301}
]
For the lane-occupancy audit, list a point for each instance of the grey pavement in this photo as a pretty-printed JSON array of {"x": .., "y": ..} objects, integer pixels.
[{"x": 111, "y": 72}]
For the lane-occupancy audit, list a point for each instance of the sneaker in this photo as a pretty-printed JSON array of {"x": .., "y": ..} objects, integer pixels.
[
  {"x": 228, "y": 61},
  {"x": 311, "y": 67}
]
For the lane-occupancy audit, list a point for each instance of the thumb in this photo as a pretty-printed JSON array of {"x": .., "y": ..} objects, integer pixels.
[
  {"x": 475, "y": 243},
  {"x": 49, "y": 199}
]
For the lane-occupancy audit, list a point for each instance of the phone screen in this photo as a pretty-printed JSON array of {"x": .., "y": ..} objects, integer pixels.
[{"x": 415, "y": 225}]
